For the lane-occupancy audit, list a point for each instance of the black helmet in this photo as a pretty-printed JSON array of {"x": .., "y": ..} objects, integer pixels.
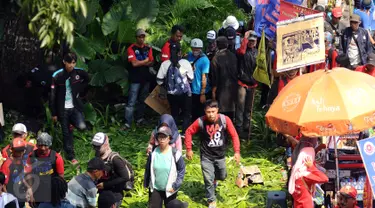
[{"x": 319, "y": 8}]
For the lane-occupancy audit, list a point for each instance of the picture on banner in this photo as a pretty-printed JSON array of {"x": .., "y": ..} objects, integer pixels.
[
  {"x": 367, "y": 150},
  {"x": 300, "y": 42}
]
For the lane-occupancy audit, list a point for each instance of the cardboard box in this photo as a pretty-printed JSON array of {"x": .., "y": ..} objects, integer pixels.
[{"x": 158, "y": 101}]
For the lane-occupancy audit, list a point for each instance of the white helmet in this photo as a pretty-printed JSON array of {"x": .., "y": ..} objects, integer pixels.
[{"x": 196, "y": 43}]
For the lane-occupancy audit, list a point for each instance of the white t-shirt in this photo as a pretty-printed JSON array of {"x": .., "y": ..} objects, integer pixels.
[
  {"x": 185, "y": 69},
  {"x": 68, "y": 95},
  {"x": 353, "y": 52}
]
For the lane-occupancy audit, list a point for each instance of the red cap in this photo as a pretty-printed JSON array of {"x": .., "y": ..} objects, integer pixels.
[
  {"x": 349, "y": 191},
  {"x": 337, "y": 12},
  {"x": 18, "y": 144}
]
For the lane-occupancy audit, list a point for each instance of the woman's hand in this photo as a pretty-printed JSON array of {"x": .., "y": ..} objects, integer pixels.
[{"x": 308, "y": 162}]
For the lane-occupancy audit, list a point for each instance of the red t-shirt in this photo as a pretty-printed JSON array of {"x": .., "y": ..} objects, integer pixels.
[
  {"x": 364, "y": 70},
  {"x": 166, "y": 52},
  {"x": 59, "y": 163},
  {"x": 5, "y": 168}
]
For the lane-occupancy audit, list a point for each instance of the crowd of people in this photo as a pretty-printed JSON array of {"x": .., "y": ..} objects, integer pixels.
[{"x": 210, "y": 91}]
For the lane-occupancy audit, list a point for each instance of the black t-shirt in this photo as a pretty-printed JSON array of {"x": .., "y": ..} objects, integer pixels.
[
  {"x": 139, "y": 74},
  {"x": 213, "y": 140}
]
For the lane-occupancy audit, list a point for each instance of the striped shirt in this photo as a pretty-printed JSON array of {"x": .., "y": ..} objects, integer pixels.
[{"x": 82, "y": 191}]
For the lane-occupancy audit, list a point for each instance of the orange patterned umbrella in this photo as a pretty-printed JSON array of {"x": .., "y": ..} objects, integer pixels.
[{"x": 324, "y": 103}]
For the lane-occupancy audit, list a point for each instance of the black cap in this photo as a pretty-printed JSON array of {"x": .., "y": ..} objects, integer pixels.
[
  {"x": 95, "y": 164},
  {"x": 222, "y": 42},
  {"x": 230, "y": 33},
  {"x": 106, "y": 199}
]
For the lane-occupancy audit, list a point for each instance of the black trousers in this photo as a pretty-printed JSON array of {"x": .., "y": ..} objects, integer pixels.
[
  {"x": 198, "y": 107},
  {"x": 158, "y": 197},
  {"x": 181, "y": 103}
]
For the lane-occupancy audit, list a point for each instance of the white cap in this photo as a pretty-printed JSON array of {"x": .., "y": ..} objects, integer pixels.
[
  {"x": 19, "y": 128},
  {"x": 99, "y": 139},
  {"x": 211, "y": 35},
  {"x": 196, "y": 43},
  {"x": 231, "y": 21}
]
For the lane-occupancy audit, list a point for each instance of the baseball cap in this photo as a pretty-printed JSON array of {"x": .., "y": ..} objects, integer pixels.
[
  {"x": 211, "y": 35},
  {"x": 349, "y": 191},
  {"x": 253, "y": 35},
  {"x": 230, "y": 33},
  {"x": 98, "y": 139},
  {"x": 371, "y": 59},
  {"x": 196, "y": 43},
  {"x": 140, "y": 32},
  {"x": 106, "y": 199},
  {"x": 95, "y": 164},
  {"x": 355, "y": 18},
  {"x": 337, "y": 12},
  {"x": 44, "y": 139},
  {"x": 18, "y": 144},
  {"x": 165, "y": 130},
  {"x": 19, "y": 128}
]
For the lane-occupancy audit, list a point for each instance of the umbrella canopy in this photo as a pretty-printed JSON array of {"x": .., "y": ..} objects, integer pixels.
[{"x": 324, "y": 103}]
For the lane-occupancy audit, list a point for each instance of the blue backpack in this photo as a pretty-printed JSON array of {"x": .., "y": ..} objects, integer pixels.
[{"x": 174, "y": 82}]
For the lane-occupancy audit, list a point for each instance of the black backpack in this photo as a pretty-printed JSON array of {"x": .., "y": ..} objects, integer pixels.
[{"x": 129, "y": 185}]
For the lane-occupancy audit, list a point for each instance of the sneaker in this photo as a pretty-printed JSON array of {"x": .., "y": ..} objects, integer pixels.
[
  {"x": 185, "y": 205},
  {"x": 212, "y": 204},
  {"x": 125, "y": 127},
  {"x": 140, "y": 122}
]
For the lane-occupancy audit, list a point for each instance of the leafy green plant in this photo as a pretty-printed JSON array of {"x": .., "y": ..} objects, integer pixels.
[{"x": 52, "y": 20}]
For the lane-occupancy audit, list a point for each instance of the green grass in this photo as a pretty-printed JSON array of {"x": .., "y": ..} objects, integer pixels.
[{"x": 132, "y": 145}]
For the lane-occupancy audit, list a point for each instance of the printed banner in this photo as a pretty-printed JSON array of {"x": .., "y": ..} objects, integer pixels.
[
  {"x": 290, "y": 11},
  {"x": 157, "y": 100},
  {"x": 267, "y": 14},
  {"x": 367, "y": 150},
  {"x": 300, "y": 42}
]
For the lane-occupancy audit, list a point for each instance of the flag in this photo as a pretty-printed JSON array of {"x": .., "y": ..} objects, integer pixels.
[{"x": 261, "y": 72}]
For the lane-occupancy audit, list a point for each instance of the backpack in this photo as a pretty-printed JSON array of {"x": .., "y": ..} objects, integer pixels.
[
  {"x": 175, "y": 83},
  {"x": 129, "y": 185},
  {"x": 222, "y": 119}
]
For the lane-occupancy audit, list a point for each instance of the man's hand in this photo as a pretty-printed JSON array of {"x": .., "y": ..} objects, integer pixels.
[
  {"x": 237, "y": 158},
  {"x": 100, "y": 186},
  {"x": 54, "y": 118},
  {"x": 203, "y": 98},
  {"x": 189, "y": 154}
]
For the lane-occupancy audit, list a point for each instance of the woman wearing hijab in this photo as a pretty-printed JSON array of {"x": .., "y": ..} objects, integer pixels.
[
  {"x": 116, "y": 174},
  {"x": 175, "y": 75},
  {"x": 168, "y": 121},
  {"x": 304, "y": 177}
]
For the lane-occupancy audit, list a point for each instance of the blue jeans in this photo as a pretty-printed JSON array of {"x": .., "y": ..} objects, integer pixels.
[
  {"x": 212, "y": 170},
  {"x": 137, "y": 92},
  {"x": 74, "y": 117}
]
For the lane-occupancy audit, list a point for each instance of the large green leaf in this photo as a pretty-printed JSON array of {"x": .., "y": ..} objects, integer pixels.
[
  {"x": 90, "y": 113},
  {"x": 81, "y": 21},
  {"x": 83, "y": 48},
  {"x": 81, "y": 63},
  {"x": 114, "y": 74},
  {"x": 144, "y": 9},
  {"x": 96, "y": 36},
  {"x": 182, "y": 6},
  {"x": 97, "y": 80},
  {"x": 99, "y": 65},
  {"x": 126, "y": 32},
  {"x": 113, "y": 17}
]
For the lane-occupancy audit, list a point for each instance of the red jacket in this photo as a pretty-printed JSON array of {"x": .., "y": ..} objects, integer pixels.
[
  {"x": 364, "y": 70},
  {"x": 166, "y": 51},
  {"x": 302, "y": 196}
]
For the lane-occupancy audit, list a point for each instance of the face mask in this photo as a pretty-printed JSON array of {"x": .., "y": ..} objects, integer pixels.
[{"x": 196, "y": 53}]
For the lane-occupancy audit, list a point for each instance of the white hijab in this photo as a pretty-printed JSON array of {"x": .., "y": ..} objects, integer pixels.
[{"x": 299, "y": 169}]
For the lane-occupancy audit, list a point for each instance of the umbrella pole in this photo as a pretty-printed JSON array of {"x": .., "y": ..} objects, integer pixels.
[
  {"x": 337, "y": 166},
  {"x": 251, "y": 112}
]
